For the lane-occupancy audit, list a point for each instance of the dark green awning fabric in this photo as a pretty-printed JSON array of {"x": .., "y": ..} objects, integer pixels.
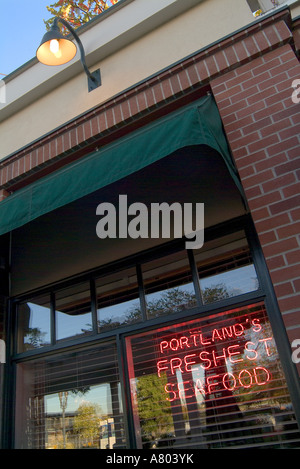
[{"x": 193, "y": 125}]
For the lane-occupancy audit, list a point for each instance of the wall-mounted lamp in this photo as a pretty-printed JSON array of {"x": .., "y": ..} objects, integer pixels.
[{"x": 56, "y": 49}]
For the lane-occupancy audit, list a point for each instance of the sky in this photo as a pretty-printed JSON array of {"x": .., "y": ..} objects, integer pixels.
[{"x": 21, "y": 30}]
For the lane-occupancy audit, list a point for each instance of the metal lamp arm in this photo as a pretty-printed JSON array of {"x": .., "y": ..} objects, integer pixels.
[{"x": 77, "y": 39}]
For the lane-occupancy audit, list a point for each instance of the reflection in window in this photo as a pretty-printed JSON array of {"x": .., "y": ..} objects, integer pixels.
[
  {"x": 228, "y": 272},
  {"x": 118, "y": 302},
  {"x": 73, "y": 312},
  {"x": 168, "y": 285},
  {"x": 34, "y": 324},
  {"x": 70, "y": 402}
]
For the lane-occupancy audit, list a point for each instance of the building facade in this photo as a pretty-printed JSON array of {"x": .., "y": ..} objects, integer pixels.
[{"x": 124, "y": 323}]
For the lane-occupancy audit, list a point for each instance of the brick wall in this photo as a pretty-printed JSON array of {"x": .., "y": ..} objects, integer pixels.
[{"x": 263, "y": 126}]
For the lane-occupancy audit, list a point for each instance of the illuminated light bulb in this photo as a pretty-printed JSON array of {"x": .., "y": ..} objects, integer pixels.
[{"x": 54, "y": 47}]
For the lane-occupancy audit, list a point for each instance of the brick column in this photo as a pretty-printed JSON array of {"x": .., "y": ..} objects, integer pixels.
[{"x": 263, "y": 126}]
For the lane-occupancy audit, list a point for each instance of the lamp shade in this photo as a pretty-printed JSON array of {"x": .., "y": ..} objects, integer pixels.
[{"x": 55, "y": 49}]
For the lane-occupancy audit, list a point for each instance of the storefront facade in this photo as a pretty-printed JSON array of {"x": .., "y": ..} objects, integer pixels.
[{"x": 119, "y": 335}]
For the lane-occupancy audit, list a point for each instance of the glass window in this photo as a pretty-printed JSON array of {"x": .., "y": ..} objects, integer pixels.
[
  {"x": 214, "y": 382},
  {"x": 168, "y": 285},
  {"x": 225, "y": 268},
  {"x": 72, "y": 401},
  {"x": 118, "y": 302},
  {"x": 73, "y": 312},
  {"x": 34, "y": 323}
]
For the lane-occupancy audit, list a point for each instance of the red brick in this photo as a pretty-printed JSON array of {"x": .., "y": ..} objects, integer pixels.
[
  {"x": 276, "y": 262},
  {"x": 289, "y": 231},
  {"x": 284, "y": 289},
  {"x": 80, "y": 134},
  {"x": 291, "y": 190},
  {"x": 73, "y": 137},
  {"x": 239, "y": 124},
  {"x": 60, "y": 145},
  {"x": 176, "y": 88},
  {"x": 280, "y": 114},
  {"x": 125, "y": 105},
  {"x": 268, "y": 111},
  {"x": 261, "y": 41},
  {"x": 110, "y": 117},
  {"x": 167, "y": 89},
  {"x": 241, "y": 52},
  {"x": 289, "y": 166},
  {"x": 256, "y": 107},
  {"x": 263, "y": 143},
  {"x": 202, "y": 71},
  {"x": 290, "y": 303},
  {"x": 40, "y": 155},
  {"x": 285, "y": 274},
  {"x": 193, "y": 74},
  {"x": 258, "y": 178},
  {"x": 279, "y": 147},
  {"x": 260, "y": 214},
  {"x": 272, "y": 223},
  {"x": 241, "y": 79},
  {"x": 267, "y": 238},
  {"x": 258, "y": 125},
  {"x": 295, "y": 214},
  {"x": 27, "y": 163},
  {"x": 184, "y": 82},
  {"x": 293, "y": 257},
  {"x": 251, "y": 46},
  {"x": 273, "y": 128},
  {"x": 66, "y": 142},
  {"x": 282, "y": 30},
  {"x": 291, "y": 320},
  {"x": 285, "y": 205},
  {"x": 264, "y": 200},
  {"x": 244, "y": 140},
  {"x": 118, "y": 118},
  {"x": 276, "y": 247},
  {"x": 102, "y": 118},
  {"x": 253, "y": 192},
  {"x": 296, "y": 284},
  {"x": 279, "y": 182},
  {"x": 270, "y": 162},
  {"x": 242, "y": 157},
  {"x": 290, "y": 132}
]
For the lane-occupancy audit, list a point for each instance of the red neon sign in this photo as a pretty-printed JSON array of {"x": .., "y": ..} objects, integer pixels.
[
  {"x": 208, "y": 354},
  {"x": 246, "y": 378}
]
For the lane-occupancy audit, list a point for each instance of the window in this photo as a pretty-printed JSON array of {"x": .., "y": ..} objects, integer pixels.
[
  {"x": 201, "y": 369},
  {"x": 34, "y": 323},
  {"x": 168, "y": 285},
  {"x": 73, "y": 312},
  {"x": 225, "y": 268},
  {"x": 118, "y": 301},
  {"x": 262, "y": 6},
  {"x": 214, "y": 382},
  {"x": 72, "y": 401}
]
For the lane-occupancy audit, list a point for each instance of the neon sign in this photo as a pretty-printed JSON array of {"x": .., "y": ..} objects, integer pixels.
[{"x": 222, "y": 360}]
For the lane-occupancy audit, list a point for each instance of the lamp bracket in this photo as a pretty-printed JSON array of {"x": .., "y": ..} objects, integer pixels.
[{"x": 94, "y": 78}]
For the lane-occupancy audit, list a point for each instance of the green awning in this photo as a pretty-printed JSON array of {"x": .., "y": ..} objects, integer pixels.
[{"x": 192, "y": 125}]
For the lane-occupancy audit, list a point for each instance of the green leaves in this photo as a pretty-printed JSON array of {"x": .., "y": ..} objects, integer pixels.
[{"x": 77, "y": 12}]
